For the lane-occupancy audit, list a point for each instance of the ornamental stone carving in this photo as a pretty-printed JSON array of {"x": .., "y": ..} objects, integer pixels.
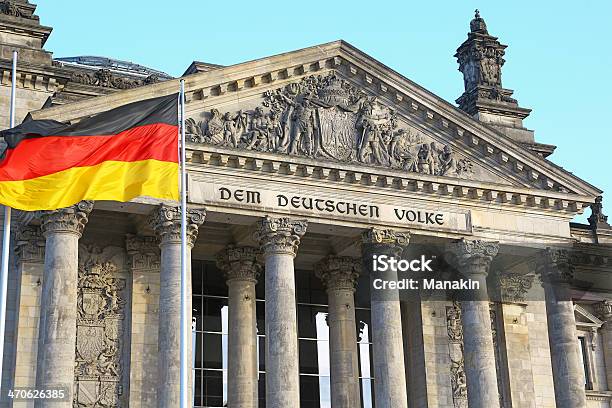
[
  {"x": 597, "y": 219},
  {"x": 30, "y": 244},
  {"x": 326, "y": 117},
  {"x": 102, "y": 297},
  {"x": 481, "y": 57},
  {"x": 554, "y": 265},
  {"x": 67, "y": 220},
  {"x": 107, "y": 79},
  {"x": 239, "y": 263},
  {"x": 166, "y": 222},
  {"x": 603, "y": 310},
  {"x": 455, "y": 349},
  {"x": 143, "y": 252},
  {"x": 473, "y": 256},
  {"x": 338, "y": 272},
  {"x": 512, "y": 287},
  {"x": 280, "y": 235},
  {"x": 11, "y": 8}
]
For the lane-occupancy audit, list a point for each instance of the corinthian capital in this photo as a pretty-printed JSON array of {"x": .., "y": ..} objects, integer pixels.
[
  {"x": 280, "y": 235},
  {"x": 384, "y": 241},
  {"x": 239, "y": 263},
  {"x": 554, "y": 265},
  {"x": 472, "y": 256},
  {"x": 166, "y": 222},
  {"x": 339, "y": 272},
  {"x": 68, "y": 220}
]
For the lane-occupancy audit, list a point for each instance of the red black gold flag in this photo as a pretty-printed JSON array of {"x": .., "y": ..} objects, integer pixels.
[{"x": 120, "y": 154}]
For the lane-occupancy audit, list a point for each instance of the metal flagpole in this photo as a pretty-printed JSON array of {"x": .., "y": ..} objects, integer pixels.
[
  {"x": 6, "y": 233},
  {"x": 185, "y": 397}
]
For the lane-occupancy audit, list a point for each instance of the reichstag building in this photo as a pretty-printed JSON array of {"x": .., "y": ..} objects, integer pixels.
[{"x": 301, "y": 166}]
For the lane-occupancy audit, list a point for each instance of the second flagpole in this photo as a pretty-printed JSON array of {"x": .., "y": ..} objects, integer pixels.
[{"x": 184, "y": 373}]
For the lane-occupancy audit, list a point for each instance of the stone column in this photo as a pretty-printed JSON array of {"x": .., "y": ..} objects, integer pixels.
[
  {"x": 241, "y": 271},
  {"x": 556, "y": 273},
  {"x": 339, "y": 275},
  {"x": 58, "y": 317},
  {"x": 604, "y": 312},
  {"x": 279, "y": 239},
  {"x": 472, "y": 259},
  {"x": 388, "y": 347},
  {"x": 166, "y": 222}
]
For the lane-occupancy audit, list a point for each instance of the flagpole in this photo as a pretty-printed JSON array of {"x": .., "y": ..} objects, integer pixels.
[
  {"x": 184, "y": 395},
  {"x": 6, "y": 232}
]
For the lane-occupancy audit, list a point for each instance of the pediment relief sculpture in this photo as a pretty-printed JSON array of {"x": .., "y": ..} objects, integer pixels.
[{"x": 326, "y": 117}]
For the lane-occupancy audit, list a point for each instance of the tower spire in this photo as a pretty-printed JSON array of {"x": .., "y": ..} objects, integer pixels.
[{"x": 481, "y": 58}]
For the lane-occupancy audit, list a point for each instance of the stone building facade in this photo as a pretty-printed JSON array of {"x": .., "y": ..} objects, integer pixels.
[{"x": 300, "y": 165}]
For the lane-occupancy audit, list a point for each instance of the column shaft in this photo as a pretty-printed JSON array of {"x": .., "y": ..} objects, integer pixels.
[
  {"x": 57, "y": 333},
  {"x": 388, "y": 345},
  {"x": 472, "y": 259},
  {"x": 339, "y": 275},
  {"x": 568, "y": 371},
  {"x": 166, "y": 223},
  {"x": 279, "y": 239},
  {"x": 241, "y": 270}
]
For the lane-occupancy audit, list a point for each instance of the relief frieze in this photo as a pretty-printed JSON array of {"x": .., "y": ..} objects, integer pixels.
[
  {"x": 102, "y": 297},
  {"x": 326, "y": 117}
]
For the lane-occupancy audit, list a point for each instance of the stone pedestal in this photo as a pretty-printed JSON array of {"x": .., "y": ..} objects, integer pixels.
[
  {"x": 279, "y": 239},
  {"x": 241, "y": 271},
  {"x": 339, "y": 275},
  {"x": 388, "y": 348},
  {"x": 166, "y": 222},
  {"x": 472, "y": 259},
  {"x": 58, "y": 318},
  {"x": 568, "y": 372},
  {"x": 604, "y": 312}
]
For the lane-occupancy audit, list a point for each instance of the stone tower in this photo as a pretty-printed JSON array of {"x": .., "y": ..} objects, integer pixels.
[{"x": 481, "y": 58}]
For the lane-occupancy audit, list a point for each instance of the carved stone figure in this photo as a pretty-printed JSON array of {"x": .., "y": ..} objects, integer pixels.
[
  {"x": 326, "y": 117},
  {"x": 106, "y": 78}
]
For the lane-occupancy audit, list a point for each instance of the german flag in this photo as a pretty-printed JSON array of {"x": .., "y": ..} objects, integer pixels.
[{"x": 117, "y": 155}]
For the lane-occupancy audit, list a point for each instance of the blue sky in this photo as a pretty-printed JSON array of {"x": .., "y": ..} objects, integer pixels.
[{"x": 558, "y": 60}]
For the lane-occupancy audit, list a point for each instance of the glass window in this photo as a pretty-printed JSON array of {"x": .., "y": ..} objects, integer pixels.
[
  {"x": 585, "y": 365},
  {"x": 210, "y": 314}
]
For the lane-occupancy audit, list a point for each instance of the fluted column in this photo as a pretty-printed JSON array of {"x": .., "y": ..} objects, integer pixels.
[
  {"x": 339, "y": 275},
  {"x": 279, "y": 239},
  {"x": 472, "y": 259},
  {"x": 58, "y": 310},
  {"x": 241, "y": 271},
  {"x": 556, "y": 273},
  {"x": 166, "y": 222},
  {"x": 604, "y": 312},
  {"x": 386, "y": 315}
]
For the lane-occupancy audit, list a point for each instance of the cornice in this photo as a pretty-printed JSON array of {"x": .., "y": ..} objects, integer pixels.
[
  {"x": 373, "y": 77},
  {"x": 203, "y": 157}
]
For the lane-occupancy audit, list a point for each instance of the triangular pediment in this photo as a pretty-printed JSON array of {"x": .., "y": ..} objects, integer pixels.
[
  {"x": 333, "y": 104},
  {"x": 328, "y": 116},
  {"x": 584, "y": 318}
]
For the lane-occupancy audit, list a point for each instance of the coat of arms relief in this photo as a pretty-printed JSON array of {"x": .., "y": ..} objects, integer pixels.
[
  {"x": 101, "y": 304},
  {"x": 326, "y": 117}
]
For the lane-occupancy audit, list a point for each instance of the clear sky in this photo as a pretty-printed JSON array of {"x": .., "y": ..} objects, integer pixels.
[{"x": 558, "y": 60}]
